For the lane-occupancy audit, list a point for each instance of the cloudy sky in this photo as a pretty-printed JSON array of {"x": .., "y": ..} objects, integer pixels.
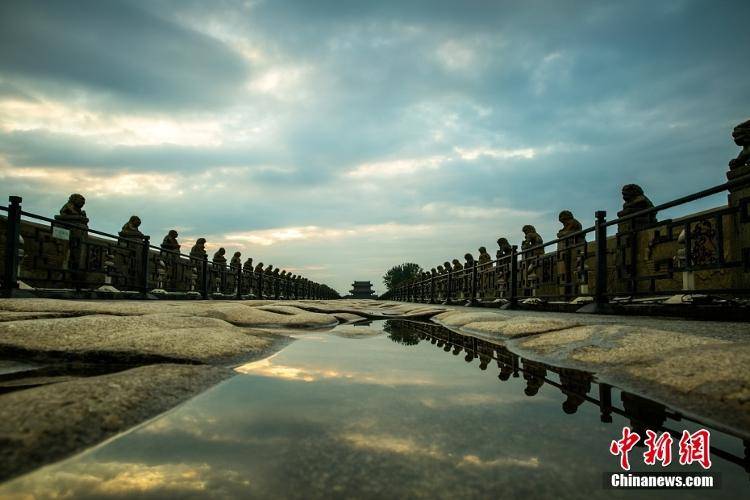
[{"x": 338, "y": 138}]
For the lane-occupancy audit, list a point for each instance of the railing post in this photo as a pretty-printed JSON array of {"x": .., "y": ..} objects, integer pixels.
[
  {"x": 601, "y": 257},
  {"x": 204, "y": 277},
  {"x": 239, "y": 282},
  {"x": 144, "y": 263},
  {"x": 432, "y": 289},
  {"x": 448, "y": 288},
  {"x": 473, "y": 288},
  {"x": 13, "y": 230},
  {"x": 601, "y": 303},
  {"x": 513, "y": 299}
]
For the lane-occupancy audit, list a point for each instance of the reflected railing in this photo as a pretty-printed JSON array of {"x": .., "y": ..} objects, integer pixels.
[{"x": 576, "y": 385}]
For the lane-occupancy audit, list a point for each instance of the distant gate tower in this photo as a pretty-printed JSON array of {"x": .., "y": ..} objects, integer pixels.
[{"x": 362, "y": 290}]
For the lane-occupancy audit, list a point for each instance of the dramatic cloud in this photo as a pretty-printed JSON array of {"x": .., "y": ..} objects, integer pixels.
[{"x": 342, "y": 138}]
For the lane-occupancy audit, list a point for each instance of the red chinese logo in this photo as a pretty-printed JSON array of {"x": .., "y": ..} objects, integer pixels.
[
  {"x": 695, "y": 447},
  {"x": 623, "y": 446},
  {"x": 658, "y": 448}
]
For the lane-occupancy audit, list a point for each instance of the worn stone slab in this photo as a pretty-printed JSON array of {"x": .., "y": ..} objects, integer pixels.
[
  {"x": 48, "y": 423},
  {"x": 294, "y": 316},
  {"x": 516, "y": 327},
  {"x": 458, "y": 318},
  {"x": 348, "y": 317},
  {"x": 594, "y": 345},
  {"x": 244, "y": 313},
  {"x": 132, "y": 338},
  {"x": 22, "y": 315}
]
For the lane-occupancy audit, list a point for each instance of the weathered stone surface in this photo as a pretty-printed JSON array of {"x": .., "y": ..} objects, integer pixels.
[
  {"x": 713, "y": 381},
  {"x": 22, "y": 315},
  {"x": 517, "y": 327},
  {"x": 348, "y": 317},
  {"x": 152, "y": 336},
  {"x": 457, "y": 318},
  {"x": 294, "y": 316},
  {"x": 243, "y": 313},
  {"x": 48, "y": 423},
  {"x": 596, "y": 345}
]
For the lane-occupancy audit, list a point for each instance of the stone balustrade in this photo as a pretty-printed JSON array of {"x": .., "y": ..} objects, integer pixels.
[
  {"x": 63, "y": 257},
  {"x": 701, "y": 253}
]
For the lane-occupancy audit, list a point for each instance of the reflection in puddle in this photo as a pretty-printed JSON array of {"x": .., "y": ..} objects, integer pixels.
[{"x": 408, "y": 410}]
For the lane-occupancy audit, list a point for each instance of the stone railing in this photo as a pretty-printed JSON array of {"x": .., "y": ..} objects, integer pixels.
[
  {"x": 63, "y": 257},
  {"x": 692, "y": 257}
]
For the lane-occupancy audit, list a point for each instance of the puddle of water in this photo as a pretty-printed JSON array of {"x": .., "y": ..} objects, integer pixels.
[{"x": 390, "y": 409}]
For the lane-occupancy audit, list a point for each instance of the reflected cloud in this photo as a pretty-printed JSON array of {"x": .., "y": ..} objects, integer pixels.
[
  {"x": 475, "y": 461},
  {"x": 271, "y": 367},
  {"x": 386, "y": 443},
  {"x": 268, "y": 368},
  {"x": 392, "y": 444},
  {"x": 116, "y": 479},
  {"x": 477, "y": 399}
]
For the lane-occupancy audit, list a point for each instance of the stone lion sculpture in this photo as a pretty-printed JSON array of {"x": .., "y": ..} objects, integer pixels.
[
  {"x": 741, "y": 136},
  {"x": 199, "y": 249},
  {"x": 218, "y": 257},
  {"x": 130, "y": 229},
  {"x": 530, "y": 237},
  {"x": 74, "y": 206},
  {"x": 484, "y": 257},
  {"x": 170, "y": 241},
  {"x": 634, "y": 201},
  {"x": 570, "y": 224},
  {"x": 236, "y": 262},
  {"x": 503, "y": 249},
  {"x": 73, "y": 210}
]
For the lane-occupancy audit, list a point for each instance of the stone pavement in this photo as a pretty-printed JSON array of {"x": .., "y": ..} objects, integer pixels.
[{"x": 164, "y": 352}]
